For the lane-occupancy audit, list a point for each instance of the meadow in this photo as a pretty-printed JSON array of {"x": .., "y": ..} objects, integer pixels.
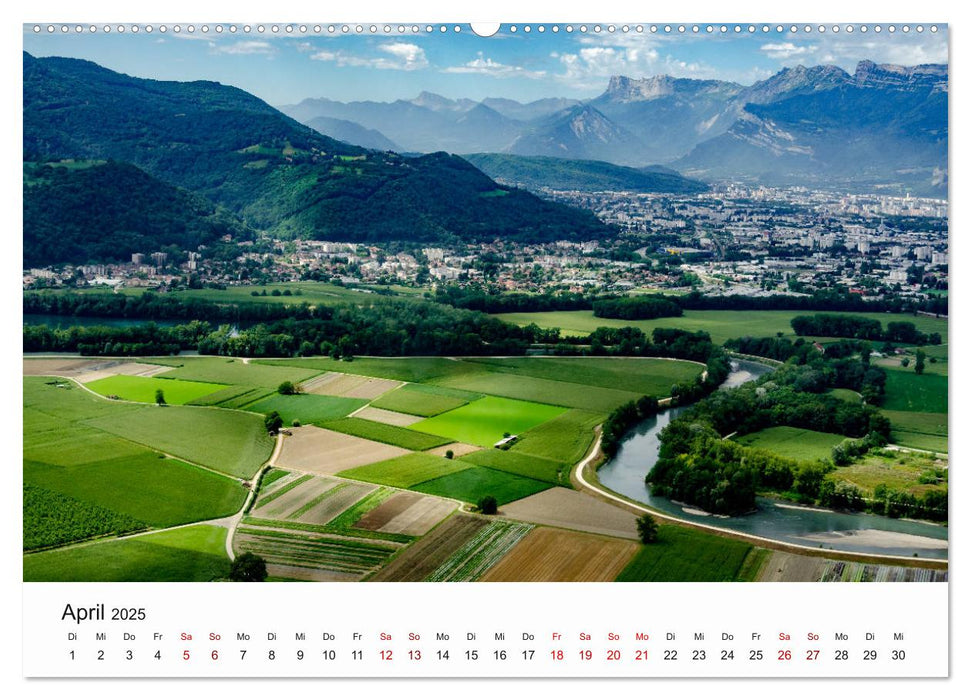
[
  {"x": 192, "y": 553},
  {"x": 488, "y": 420},
  {"x": 307, "y": 409},
  {"x": 390, "y": 434},
  {"x": 521, "y": 464},
  {"x": 795, "y": 443},
  {"x": 683, "y": 554},
  {"x": 406, "y": 471},
  {"x": 721, "y": 325},
  {"x": 899, "y": 471},
  {"x": 423, "y": 399},
  {"x": 227, "y": 370},
  {"x": 142, "y": 389},
  {"x": 473, "y": 483},
  {"x": 922, "y": 393}
]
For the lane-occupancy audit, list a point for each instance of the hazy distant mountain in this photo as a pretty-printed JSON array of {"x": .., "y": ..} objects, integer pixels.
[
  {"x": 580, "y": 132},
  {"x": 272, "y": 172},
  {"x": 425, "y": 124},
  {"x": 883, "y": 126},
  {"x": 352, "y": 133},
  {"x": 536, "y": 172},
  {"x": 531, "y": 110},
  {"x": 696, "y": 124}
]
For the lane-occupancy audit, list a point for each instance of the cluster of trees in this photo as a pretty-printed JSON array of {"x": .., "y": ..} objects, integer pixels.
[
  {"x": 477, "y": 298},
  {"x": 695, "y": 465},
  {"x": 850, "y": 449},
  {"x": 860, "y": 327},
  {"x": 147, "y": 339},
  {"x": 386, "y": 327},
  {"x": 622, "y": 419},
  {"x": 150, "y": 305},
  {"x": 634, "y": 308},
  {"x": 834, "y": 368}
]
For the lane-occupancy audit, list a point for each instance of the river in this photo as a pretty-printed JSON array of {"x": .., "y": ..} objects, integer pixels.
[{"x": 777, "y": 520}]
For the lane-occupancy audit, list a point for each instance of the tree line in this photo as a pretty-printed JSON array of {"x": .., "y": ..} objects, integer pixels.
[{"x": 862, "y": 328}]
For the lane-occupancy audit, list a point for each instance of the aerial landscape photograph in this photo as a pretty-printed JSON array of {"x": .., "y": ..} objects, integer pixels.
[{"x": 567, "y": 303}]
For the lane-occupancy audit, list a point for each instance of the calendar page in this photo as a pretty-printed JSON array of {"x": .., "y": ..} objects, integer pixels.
[{"x": 525, "y": 349}]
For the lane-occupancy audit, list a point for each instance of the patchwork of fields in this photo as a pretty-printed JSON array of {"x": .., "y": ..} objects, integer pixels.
[{"x": 377, "y": 481}]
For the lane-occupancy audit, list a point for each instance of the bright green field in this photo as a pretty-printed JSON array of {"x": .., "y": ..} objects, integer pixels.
[
  {"x": 423, "y": 399},
  {"x": 193, "y": 553},
  {"x": 722, "y": 325},
  {"x": 232, "y": 442},
  {"x": 484, "y": 422},
  {"x": 795, "y": 443},
  {"x": 405, "y": 471},
  {"x": 909, "y": 391},
  {"x": 521, "y": 464},
  {"x": 390, "y": 434},
  {"x": 681, "y": 554},
  {"x": 471, "y": 484},
  {"x": 566, "y": 438},
  {"x": 314, "y": 293},
  {"x": 233, "y": 371},
  {"x": 307, "y": 408},
  {"x": 177, "y": 392}
]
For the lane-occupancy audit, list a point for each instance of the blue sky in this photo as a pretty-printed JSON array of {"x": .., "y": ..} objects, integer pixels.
[{"x": 287, "y": 68}]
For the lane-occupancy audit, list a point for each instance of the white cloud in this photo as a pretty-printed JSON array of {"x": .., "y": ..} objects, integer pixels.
[
  {"x": 486, "y": 66},
  {"x": 399, "y": 56},
  {"x": 786, "y": 50},
  {"x": 243, "y": 48}
]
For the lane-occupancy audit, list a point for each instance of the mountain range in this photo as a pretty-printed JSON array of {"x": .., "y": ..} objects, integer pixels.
[
  {"x": 258, "y": 166},
  {"x": 881, "y": 126}
]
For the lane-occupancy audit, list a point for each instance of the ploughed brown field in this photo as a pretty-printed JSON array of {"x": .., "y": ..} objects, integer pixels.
[
  {"x": 560, "y": 507},
  {"x": 546, "y": 554},
  {"x": 406, "y": 514},
  {"x": 320, "y": 451},
  {"x": 349, "y": 385},
  {"x": 380, "y": 415},
  {"x": 424, "y": 557}
]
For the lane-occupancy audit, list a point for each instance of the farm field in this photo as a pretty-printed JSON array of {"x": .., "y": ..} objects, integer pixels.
[
  {"x": 231, "y": 442},
  {"x": 405, "y": 471},
  {"x": 306, "y": 408},
  {"x": 682, "y": 554},
  {"x": 228, "y": 370},
  {"x": 566, "y": 438},
  {"x": 142, "y": 389},
  {"x": 321, "y": 451},
  {"x": 192, "y": 553},
  {"x": 105, "y": 480},
  {"x": 349, "y": 385},
  {"x": 423, "y": 400},
  {"x": 925, "y": 431},
  {"x": 484, "y": 549},
  {"x": 488, "y": 420},
  {"x": 922, "y": 393},
  {"x": 546, "y": 554},
  {"x": 795, "y": 443},
  {"x": 382, "y": 432},
  {"x": 313, "y": 293},
  {"x": 533, "y": 389},
  {"x": 474, "y": 482},
  {"x": 380, "y": 415},
  {"x": 648, "y": 376},
  {"x": 521, "y": 464},
  {"x": 721, "y": 325},
  {"x": 572, "y": 510},
  {"x": 405, "y": 514},
  {"x": 425, "y": 556},
  {"x": 404, "y": 369}
]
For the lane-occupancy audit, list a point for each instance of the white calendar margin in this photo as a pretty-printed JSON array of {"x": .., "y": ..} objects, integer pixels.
[{"x": 505, "y": 10}]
